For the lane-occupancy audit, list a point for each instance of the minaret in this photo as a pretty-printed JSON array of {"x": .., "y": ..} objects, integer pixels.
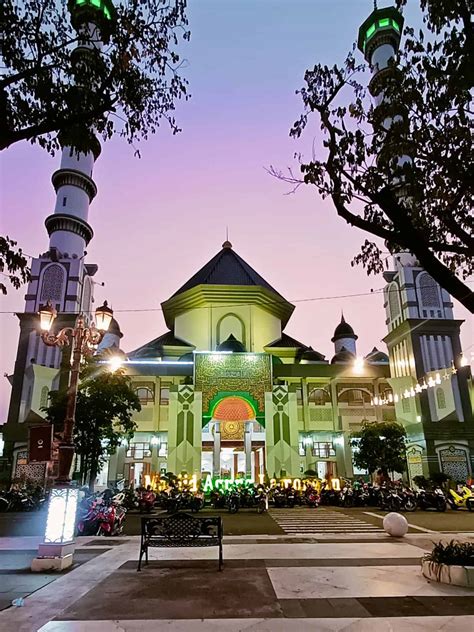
[
  {"x": 68, "y": 226},
  {"x": 61, "y": 274},
  {"x": 423, "y": 341}
]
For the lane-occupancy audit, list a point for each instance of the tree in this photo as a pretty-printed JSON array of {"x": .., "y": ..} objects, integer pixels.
[
  {"x": 380, "y": 445},
  {"x": 428, "y": 87},
  {"x": 134, "y": 80},
  {"x": 14, "y": 261},
  {"x": 104, "y": 409}
]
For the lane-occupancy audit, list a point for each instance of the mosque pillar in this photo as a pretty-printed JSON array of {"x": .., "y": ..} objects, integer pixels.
[
  {"x": 248, "y": 449},
  {"x": 216, "y": 452}
]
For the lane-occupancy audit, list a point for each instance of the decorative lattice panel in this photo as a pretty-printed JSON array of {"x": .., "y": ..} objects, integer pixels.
[{"x": 454, "y": 463}]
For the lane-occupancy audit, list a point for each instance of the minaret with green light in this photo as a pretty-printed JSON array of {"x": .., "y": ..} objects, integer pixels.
[
  {"x": 424, "y": 337},
  {"x": 379, "y": 37},
  {"x": 68, "y": 226}
]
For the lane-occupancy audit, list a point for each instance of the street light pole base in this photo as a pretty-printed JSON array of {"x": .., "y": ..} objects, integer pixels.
[{"x": 58, "y": 564}]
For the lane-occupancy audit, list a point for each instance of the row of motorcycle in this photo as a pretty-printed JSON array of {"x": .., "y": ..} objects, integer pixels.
[
  {"x": 24, "y": 499},
  {"x": 399, "y": 497}
]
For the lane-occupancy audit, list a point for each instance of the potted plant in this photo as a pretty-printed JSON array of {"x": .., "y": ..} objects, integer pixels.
[{"x": 450, "y": 563}]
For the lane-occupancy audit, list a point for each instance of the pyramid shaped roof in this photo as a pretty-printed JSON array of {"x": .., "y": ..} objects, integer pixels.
[{"x": 226, "y": 268}]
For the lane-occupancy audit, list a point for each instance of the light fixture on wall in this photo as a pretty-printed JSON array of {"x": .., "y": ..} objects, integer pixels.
[{"x": 359, "y": 364}]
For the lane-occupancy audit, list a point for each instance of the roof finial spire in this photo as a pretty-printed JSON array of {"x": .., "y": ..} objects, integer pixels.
[
  {"x": 375, "y": 5},
  {"x": 227, "y": 243}
]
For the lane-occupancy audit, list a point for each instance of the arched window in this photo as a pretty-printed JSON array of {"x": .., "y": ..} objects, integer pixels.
[
  {"x": 406, "y": 405},
  {"x": 355, "y": 397},
  {"x": 319, "y": 396},
  {"x": 145, "y": 394},
  {"x": 230, "y": 324},
  {"x": 393, "y": 301},
  {"x": 429, "y": 293},
  {"x": 53, "y": 280},
  {"x": 440, "y": 398},
  {"x": 44, "y": 397},
  {"x": 86, "y": 296}
]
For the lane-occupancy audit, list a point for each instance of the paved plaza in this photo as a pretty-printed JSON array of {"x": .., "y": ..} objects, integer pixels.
[{"x": 344, "y": 576}]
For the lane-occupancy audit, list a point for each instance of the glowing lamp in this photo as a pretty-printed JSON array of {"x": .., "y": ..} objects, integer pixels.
[
  {"x": 103, "y": 317},
  {"x": 359, "y": 364},
  {"x": 115, "y": 363},
  {"x": 47, "y": 314},
  {"x": 61, "y": 516},
  {"x": 463, "y": 361},
  {"x": 155, "y": 441}
]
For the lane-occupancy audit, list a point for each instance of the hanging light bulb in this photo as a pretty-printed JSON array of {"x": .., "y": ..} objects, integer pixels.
[
  {"x": 431, "y": 382},
  {"x": 424, "y": 385},
  {"x": 412, "y": 392},
  {"x": 395, "y": 398},
  {"x": 437, "y": 378},
  {"x": 418, "y": 388},
  {"x": 463, "y": 361},
  {"x": 406, "y": 393}
]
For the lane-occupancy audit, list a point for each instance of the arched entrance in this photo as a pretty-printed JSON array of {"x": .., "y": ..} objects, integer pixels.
[{"x": 233, "y": 427}]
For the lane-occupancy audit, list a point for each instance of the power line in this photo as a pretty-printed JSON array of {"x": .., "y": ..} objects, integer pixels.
[{"x": 298, "y": 300}]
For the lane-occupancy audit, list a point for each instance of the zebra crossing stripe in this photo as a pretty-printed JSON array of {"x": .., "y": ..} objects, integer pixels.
[{"x": 308, "y": 521}]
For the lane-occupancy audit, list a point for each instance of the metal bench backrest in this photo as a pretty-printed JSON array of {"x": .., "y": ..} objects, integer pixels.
[{"x": 181, "y": 529}]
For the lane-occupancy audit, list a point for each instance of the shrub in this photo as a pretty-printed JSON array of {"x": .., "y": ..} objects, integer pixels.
[{"x": 452, "y": 553}]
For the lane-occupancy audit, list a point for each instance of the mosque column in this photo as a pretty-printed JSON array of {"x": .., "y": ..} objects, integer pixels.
[
  {"x": 248, "y": 449},
  {"x": 216, "y": 452}
]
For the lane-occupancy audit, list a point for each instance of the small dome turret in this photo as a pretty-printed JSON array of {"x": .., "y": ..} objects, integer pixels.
[
  {"x": 343, "y": 356},
  {"x": 344, "y": 337},
  {"x": 231, "y": 344},
  {"x": 343, "y": 330}
]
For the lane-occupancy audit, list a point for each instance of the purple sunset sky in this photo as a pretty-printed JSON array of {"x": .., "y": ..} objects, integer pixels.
[{"x": 157, "y": 220}]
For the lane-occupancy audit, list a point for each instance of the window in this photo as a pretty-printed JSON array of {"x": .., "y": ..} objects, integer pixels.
[
  {"x": 406, "y": 405},
  {"x": 394, "y": 301},
  {"x": 301, "y": 448},
  {"x": 319, "y": 396},
  {"x": 145, "y": 395},
  {"x": 53, "y": 280},
  {"x": 138, "y": 451},
  {"x": 323, "y": 450},
  {"x": 429, "y": 291},
  {"x": 64, "y": 201},
  {"x": 299, "y": 396},
  {"x": 355, "y": 397},
  {"x": 165, "y": 395},
  {"x": 440, "y": 398},
  {"x": 44, "y": 397},
  {"x": 163, "y": 451}
]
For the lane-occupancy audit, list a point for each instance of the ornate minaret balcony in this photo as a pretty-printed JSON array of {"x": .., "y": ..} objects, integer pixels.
[{"x": 383, "y": 26}]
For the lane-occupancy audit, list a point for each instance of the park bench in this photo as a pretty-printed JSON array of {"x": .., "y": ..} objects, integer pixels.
[{"x": 180, "y": 530}]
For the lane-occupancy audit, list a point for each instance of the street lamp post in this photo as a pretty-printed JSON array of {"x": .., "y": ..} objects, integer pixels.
[{"x": 55, "y": 553}]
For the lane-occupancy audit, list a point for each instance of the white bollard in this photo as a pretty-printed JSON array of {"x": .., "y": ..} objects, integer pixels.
[{"x": 395, "y": 525}]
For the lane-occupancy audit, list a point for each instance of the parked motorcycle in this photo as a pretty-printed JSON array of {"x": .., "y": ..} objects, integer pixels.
[
  {"x": 431, "y": 499},
  {"x": 147, "y": 500},
  {"x": 461, "y": 498},
  {"x": 101, "y": 514}
]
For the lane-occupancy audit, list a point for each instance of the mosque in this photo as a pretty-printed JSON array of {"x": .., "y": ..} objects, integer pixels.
[{"x": 225, "y": 391}]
